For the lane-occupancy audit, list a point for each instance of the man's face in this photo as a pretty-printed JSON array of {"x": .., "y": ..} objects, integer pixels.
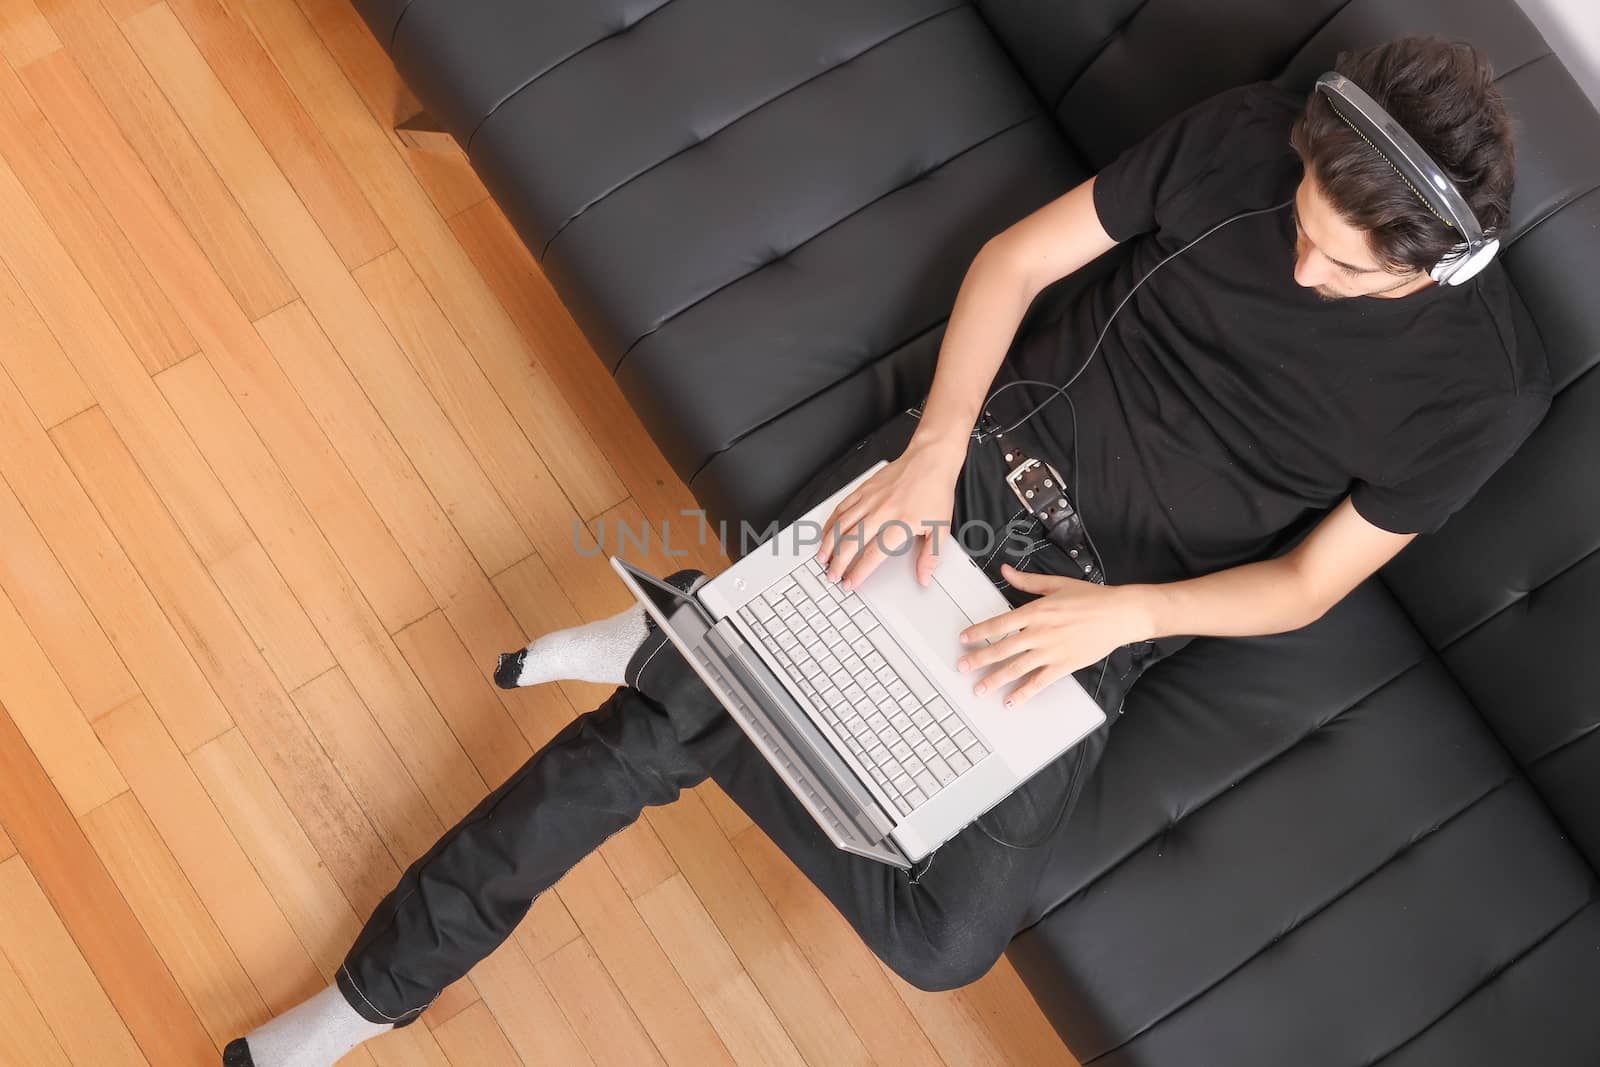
[{"x": 1332, "y": 257}]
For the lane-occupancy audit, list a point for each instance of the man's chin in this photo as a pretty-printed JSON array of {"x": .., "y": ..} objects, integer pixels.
[{"x": 1327, "y": 296}]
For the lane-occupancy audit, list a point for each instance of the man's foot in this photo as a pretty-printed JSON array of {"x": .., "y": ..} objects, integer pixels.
[
  {"x": 316, "y": 1033},
  {"x": 594, "y": 652}
]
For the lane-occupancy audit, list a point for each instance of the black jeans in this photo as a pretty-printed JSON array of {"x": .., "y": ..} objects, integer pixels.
[{"x": 939, "y": 926}]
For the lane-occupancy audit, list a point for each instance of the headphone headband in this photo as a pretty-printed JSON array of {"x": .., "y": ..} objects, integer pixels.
[{"x": 1390, "y": 140}]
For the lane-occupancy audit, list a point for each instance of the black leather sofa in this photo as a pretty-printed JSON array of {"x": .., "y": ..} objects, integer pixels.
[{"x": 1373, "y": 840}]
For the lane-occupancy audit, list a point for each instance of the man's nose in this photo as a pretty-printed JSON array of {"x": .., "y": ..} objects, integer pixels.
[{"x": 1310, "y": 269}]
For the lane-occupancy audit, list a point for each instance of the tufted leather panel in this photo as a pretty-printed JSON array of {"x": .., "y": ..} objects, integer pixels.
[
  {"x": 1265, "y": 803},
  {"x": 1363, "y": 842}
]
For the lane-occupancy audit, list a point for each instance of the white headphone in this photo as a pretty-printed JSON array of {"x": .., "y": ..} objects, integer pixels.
[{"x": 1418, "y": 170}]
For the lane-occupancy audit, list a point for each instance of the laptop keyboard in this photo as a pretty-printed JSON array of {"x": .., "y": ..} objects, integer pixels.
[{"x": 864, "y": 684}]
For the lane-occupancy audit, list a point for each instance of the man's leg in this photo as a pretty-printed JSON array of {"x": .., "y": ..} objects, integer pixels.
[{"x": 945, "y": 922}]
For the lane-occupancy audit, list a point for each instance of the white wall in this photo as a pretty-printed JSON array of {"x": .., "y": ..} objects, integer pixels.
[{"x": 1573, "y": 29}]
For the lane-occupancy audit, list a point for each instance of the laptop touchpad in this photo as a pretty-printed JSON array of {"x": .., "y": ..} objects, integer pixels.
[{"x": 927, "y": 611}]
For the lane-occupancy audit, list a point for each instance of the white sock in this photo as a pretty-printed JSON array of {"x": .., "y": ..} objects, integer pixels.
[
  {"x": 315, "y": 1033},
  {"x": 594, "y": 652}
]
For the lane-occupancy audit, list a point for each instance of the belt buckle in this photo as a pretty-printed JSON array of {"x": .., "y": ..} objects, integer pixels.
[{"x": 1028, "y": 464}]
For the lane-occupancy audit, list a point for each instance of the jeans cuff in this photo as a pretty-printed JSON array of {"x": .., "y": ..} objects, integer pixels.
[{"x": 366, "y": 1009}]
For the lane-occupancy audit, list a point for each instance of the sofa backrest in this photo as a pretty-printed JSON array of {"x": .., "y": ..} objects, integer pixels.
[{"x": 1508, "y": 592}]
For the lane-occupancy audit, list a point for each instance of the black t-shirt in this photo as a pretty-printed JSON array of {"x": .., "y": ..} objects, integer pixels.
[{"x": 1229, "y": 408}]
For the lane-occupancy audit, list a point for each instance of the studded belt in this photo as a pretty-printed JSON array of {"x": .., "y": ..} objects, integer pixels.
[{"x": 1043, "y": 491}]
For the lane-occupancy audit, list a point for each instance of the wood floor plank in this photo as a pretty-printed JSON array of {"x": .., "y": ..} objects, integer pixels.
[
  {"x": 60, "y": 982},
  {"x": 547, "y": 328},
  {"x": 132, "y": 619},
  {"x": 362, "y": 648},
  {"x": 57, "y": 616},
  {"x": 30, "y": 353},
  {"x": 25, "y": 1037},
  {"x": 210, "y": 857},
  {"x": 175, "y": 919},
  {"x": 1002, "y": 1000},
  {"x": 328, "y": 289},
  {"x": 113, "y": 374},
  {"x": 364, "y": 756},
  {"x": 457, "y": 998},
  {"x": 591, "y": 1001},
  {"x": 951, "y": 1023},
  {"x": 108, "y": 936},
  {"x": 725, "y": 991},
  {"x": 289, "y": 134},
  {"x": 638, "y": 859},
  {"x": 204, "y": 617},
  {"x": 842, "y": 960},
  {"x": 756, "y": 933},
  {"x": 88, "y": 231},
  {"x": 236, "y": 351},
  {"x": 24, "y": 33},
  {"x": 277, "y": 845},
  {"x": 643, "y": 974},
  {"x": 518, "y": 373},
  {"x": 54, "y": 726},
  {"x": 474, "y": 1037},
  {"x": 465, "y": 698},
  {"x": 338, "y": 49},
  {"x": 468, "y": 399},
  {"x": 287, "y": 131},
  {"x": 526, "y": 1011},
  {"x": 7, "y": 849},
  {"x": 146, "y": 119},
  {"x": 242, "y": 677},
  {"x": 413, "y": 1046}
]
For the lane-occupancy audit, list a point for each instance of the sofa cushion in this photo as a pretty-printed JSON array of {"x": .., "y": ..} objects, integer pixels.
[
  {"x": 749, "y": 240},
  {"x": 1318, "y": 821}
]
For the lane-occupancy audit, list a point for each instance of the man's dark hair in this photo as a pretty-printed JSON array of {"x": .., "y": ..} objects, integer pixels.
[{"x": 1443, "y": 93}]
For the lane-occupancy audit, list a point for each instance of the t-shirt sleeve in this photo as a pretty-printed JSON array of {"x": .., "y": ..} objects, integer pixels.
[
  {"x": 1422, "y": 495},
  {"x": 1130, "y": 190}
]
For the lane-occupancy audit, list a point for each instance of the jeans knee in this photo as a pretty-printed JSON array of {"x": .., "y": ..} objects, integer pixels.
[{"x": 950, "y": 959}]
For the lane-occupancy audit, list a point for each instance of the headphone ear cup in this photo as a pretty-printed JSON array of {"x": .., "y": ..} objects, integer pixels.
[{"x": 1462, "y": 263}]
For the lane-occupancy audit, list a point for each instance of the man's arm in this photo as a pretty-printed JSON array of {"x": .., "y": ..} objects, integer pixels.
[
  {"x": 1074, "y": 623},
  {"x": 1276, "y": 595},
  {"x": 1006, "y": 275}
]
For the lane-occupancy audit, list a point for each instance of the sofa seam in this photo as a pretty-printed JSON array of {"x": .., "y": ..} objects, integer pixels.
[
  {"x": 1101, "y": 47},
  {"x": 394, "y": 32},
  {"x": 1489, "y": 979},
  {"x": 1311, "y": 916},
  {"x": 846, "y": 217},
  {"x": 560, "y": 229},
  {"x": 1171, "y": 824},
  {"x": 563, "y": 61},
  {"x": 814, "y": 394}
]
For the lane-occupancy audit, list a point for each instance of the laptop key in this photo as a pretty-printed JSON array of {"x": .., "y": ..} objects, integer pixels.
[
  {"x": 942, "y": 770},
  {"x": 959, "y": 763},
  {"x": 920, "y": 687}
]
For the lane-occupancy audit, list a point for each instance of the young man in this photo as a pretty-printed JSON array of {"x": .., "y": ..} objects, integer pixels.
[{"x": 1281, "y": 410}]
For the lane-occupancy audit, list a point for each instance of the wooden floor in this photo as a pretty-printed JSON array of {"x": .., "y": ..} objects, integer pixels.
[{"x": 292, "y": 442}]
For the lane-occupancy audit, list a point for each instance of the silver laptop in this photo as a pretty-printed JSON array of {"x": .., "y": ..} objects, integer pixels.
[{"x": 854, "y": 697}]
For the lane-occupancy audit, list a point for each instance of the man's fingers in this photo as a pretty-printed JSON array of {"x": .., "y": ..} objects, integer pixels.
[
  {"x": 1006, "y": 621},
  {"x": 1011, "y": 670},
  {"x": 1034, "y": 684},
  {"x": 984, "y": 655},
  {"x": 865, "y": 563},
  {"x": 841, "y": 539},
  {"x": 927, "y": 560}
]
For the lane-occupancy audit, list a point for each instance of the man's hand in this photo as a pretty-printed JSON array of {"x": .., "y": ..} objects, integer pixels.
[
  {"x": 911, "y": 496},
  {"x": 1073, "y": 623}
]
